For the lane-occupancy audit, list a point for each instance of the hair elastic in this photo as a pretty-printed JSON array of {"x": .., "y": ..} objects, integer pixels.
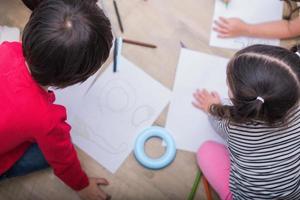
[
  {"x": 68, "y": 24},
  {"x": 298, "y": 54},
  {"x": 260, "y": 98}
]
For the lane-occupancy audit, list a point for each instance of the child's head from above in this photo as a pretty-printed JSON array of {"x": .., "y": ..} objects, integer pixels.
[
  {"x": 66, "y": 41},
  {"x": 264, "y": 84},
  {"x": 32, "y": 4}
]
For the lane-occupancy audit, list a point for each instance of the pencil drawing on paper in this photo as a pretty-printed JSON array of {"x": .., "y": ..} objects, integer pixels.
[
  {"x": 109, "y": 110},
  {"x": 115, "y": 101},
  {"x": 141, "y": 114},
  {"x": 117, "y": 96},
  {"x": 80, "y": 129}
]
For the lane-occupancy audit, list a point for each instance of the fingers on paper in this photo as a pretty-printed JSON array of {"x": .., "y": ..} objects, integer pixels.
[
  {"x": 220, "y": 24},
  {"x": 215, "y": 95},
  {"x": 200, "y": 97},
  {"x": 222, "y": 27},
  {"x": 223, "y": 20}
]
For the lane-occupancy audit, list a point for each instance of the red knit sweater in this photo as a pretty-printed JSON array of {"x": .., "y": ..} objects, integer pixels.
[{"x": 28, "y": 115}]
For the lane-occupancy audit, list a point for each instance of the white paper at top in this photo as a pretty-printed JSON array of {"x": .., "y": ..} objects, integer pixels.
[
  {"x": 108, "y": 112},
  {"x": 9, "y": 34},
  {"x": 188, "y": 125},
  {"x": 253, "y": 12}
]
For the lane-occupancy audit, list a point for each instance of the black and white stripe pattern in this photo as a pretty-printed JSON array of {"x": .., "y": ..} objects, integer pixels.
[{"x": 265, "y": 161}]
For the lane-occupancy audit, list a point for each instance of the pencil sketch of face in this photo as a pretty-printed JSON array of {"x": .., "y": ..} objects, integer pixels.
[
  {"x": 80, "y": 129},
  {"x": 117, "y": 96}
]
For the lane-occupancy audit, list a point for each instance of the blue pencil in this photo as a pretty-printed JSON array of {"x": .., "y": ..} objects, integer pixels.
[
  {"x": 117, "y": 52},
  {"x": 115, "y": 55}
]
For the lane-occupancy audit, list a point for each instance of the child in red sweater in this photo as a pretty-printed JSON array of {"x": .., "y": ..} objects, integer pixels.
[{"x": 64, "y": 42}]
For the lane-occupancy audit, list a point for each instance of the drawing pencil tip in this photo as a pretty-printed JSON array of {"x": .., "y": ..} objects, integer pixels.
[
  {"x": 118, "y": 16},
  {"x": 115, "y": 55},
  {"x": 182, "y": 44}
]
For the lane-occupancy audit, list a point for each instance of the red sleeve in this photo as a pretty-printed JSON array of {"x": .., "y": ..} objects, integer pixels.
[{"x": 61, "y": 155}]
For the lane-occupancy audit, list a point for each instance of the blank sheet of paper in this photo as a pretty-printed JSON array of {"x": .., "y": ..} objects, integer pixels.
[
  {"x": 254, "y": 11},
  {"x": 190, "y": 126},
  {"x": 9, "y": 34},
  {"x": 107, "y": 116}
]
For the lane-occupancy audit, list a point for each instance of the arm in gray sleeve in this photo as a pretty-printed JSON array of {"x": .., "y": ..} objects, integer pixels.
[{"x": 219, "y": 125}]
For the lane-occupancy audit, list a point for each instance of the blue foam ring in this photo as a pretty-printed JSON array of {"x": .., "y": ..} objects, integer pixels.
[{"x": 155, "y": 163}]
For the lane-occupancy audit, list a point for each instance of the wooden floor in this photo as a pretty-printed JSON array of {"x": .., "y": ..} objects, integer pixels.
[{"x": 162, "y": 22}]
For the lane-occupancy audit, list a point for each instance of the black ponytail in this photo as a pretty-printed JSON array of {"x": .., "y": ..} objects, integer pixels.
[{"x": 264, "y": 82}]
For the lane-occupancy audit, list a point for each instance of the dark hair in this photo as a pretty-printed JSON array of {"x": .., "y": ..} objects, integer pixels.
[
  {"x": 269, "y": 72},
  {"x": 32, "y": 4},
  {"x": 66, "y": 41}
]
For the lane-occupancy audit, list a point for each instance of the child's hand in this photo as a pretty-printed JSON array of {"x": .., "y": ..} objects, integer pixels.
[
  {"x": 93, "y": 191},
  {"x": 230, "y": 27},
  {"x": 205, "y": 99}
]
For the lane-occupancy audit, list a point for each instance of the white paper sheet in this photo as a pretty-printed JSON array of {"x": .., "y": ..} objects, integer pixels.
[
  {"x": 190, "y": 126},
  {"x": 253, "y": 11},
  {"x": 107, "y": 119},
  {"x": 9, "y": 34}
]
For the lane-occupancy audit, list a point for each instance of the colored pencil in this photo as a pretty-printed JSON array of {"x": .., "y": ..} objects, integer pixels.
[
  {"x": 195, "y": 185},
  {"x": 117, "y": 52},
  {"x": 182, "y": 44},
  {"x": 115, "y": 56},
  {"x": 118, "y": 16},
  {"x": 207, "y": 188},
  {"x": 226, "y": 2},
  {"x": 139, "y": 43}
]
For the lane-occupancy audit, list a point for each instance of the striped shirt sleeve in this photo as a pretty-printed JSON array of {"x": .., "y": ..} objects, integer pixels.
[{"x": 219, "y": 125}]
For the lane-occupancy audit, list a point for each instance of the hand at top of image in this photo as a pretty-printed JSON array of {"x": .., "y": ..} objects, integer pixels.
[{"x": 230, "y": 27}]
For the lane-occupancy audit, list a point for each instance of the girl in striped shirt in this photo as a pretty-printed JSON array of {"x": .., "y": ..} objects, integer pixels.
[{"x": 261, "y": 127}]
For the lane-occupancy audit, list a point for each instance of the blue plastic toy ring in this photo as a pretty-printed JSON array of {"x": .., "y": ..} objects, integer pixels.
[{"x": 155, "y": 163}]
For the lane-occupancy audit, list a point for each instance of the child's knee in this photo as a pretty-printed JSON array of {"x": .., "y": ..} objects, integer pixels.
[{"x": 204, "y": 152}]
